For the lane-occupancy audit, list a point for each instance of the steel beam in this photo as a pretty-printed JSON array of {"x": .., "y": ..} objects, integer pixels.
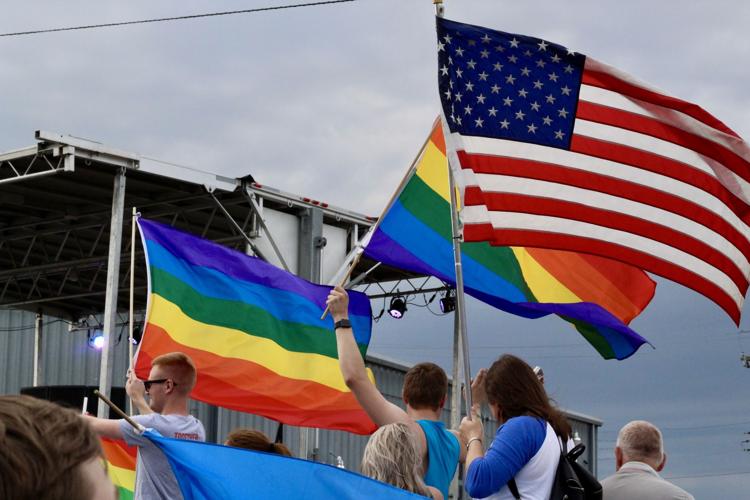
[
  {"x": 110, "y": 300},
  {"x": 38, "y": 351}
]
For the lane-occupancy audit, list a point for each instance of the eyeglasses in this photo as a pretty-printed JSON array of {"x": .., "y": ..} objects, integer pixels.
[{"x": 148, "y": 383}]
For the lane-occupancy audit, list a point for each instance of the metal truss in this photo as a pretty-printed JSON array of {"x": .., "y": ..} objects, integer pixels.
[
  {"x": 59, "y": 263},
  {"x": 34, "y": 162},
  {"x": 419, "y": 292}
]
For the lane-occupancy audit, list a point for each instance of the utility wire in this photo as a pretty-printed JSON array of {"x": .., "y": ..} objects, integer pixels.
[
  {"x": 718, "y": 474},
  {"x": 176, "y": 18}
]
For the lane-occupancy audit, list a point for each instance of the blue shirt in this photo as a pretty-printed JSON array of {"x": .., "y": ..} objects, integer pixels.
[
  {"x": 443, "y": 451},
  {"x": 524, "y": 447}
]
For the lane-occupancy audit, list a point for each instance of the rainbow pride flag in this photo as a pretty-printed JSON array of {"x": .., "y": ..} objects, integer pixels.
[
  {"x": 253, "y": 330},
  {"x": 121, "y": 460},
  {"x": 598, "y": 296}
]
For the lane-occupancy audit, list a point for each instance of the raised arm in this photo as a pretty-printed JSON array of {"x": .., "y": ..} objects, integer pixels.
[
  {"x": 137, "y": 393},
  {"x": 380, "y": 410}
]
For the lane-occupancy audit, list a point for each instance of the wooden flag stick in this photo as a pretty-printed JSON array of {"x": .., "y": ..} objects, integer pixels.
[
  {"x": 344, "y": 279},
  {"x": 121, "y": 413}
]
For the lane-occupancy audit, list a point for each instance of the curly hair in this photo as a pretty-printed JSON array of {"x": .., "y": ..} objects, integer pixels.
[
  {"x": 42, "y": 446},
  {"x": 391, "y": 457}
]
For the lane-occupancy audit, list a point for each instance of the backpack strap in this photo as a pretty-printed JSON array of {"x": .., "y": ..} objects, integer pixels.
[{"x": 513, "y": 487}]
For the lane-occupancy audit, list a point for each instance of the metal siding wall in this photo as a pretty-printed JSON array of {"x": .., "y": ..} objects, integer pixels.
[
  {"x": 16, "y": 350},
  {"x": 334, "y": 253},
  {"x": 69, "y": 360},
  {"x": 285, "y": 231}
]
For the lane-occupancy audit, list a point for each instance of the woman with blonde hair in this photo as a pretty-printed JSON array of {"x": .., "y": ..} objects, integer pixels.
[{"x": 391, "y": 457}]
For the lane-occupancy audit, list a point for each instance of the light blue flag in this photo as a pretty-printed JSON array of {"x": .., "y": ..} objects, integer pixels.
[{"x": 212, "y": 472}]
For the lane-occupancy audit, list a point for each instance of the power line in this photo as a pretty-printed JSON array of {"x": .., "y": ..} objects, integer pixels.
[
  {"x": 718, "y": 474},
  {"x": 30, "y": 327},
  {"x": 176, "y": 18}
]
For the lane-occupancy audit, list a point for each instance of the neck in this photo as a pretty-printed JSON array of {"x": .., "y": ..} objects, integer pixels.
[
  {"x": 423, "y": 413},
  {"x": 177, "y": 406}
]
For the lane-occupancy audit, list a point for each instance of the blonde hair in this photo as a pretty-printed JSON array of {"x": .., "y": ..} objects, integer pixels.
[
  {"x": 181, "y": 368},
  {"x": 391, "y": 457}
]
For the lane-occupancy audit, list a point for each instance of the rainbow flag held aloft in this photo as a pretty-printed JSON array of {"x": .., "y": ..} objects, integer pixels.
[
  {"x": 253, "y": 330},
  {"x": 598, "y": 296},
  {"x": 121, "y": 460}
]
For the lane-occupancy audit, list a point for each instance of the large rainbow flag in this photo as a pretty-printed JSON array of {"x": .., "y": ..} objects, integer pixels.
[
  {"x": 253, "y": 330},
  {"x": 121, "y": 460},
  {"x": 598, "y": 296},
  {"x": 207, "y": 471}
]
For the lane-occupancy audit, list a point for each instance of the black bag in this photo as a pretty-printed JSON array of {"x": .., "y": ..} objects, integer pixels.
[
  {"x": 572, "y": 480},
  {"x": 592, "y": 488}
]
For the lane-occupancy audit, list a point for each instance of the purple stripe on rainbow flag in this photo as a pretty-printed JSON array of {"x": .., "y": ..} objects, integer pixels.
[{"x": 201, "y": 252}]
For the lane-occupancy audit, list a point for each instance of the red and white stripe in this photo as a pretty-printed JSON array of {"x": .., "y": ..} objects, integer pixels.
[{"x": 650, "y": 180}]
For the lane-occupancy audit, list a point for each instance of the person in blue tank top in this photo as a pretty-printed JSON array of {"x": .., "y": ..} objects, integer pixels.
[{"x": 424, "y": 395}]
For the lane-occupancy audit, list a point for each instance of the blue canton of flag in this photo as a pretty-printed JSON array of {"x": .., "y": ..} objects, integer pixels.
[{"x": 496, "y": 84}]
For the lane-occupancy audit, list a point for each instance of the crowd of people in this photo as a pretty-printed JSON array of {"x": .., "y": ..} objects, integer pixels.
[{"x": 48, "y": 452}]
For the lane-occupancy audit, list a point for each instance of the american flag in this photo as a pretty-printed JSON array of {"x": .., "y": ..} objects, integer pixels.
[{"x": 558, "y": 150}]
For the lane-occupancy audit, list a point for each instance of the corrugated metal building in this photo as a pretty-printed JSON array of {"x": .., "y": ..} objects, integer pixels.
[{"x": 69, "y": 360}]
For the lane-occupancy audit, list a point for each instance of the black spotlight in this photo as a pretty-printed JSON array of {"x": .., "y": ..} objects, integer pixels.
[
  {"x": 448, "y": 303},
  {"x": 397, "y": 307}
]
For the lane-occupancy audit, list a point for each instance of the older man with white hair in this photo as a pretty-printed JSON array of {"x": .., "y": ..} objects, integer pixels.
[{"x": 639, "y": 457}]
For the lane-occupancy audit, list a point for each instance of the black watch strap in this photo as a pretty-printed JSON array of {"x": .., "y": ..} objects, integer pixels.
[{"x": 342, "y": 323}]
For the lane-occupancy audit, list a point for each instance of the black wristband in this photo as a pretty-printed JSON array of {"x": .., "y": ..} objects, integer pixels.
[{"x": 342, "y": 323}]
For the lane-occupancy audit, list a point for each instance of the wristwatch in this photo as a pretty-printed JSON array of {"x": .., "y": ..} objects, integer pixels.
[{"x": 342, "y": 323}]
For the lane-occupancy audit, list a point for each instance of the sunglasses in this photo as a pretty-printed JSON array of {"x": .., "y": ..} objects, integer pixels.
[{"x": 148, "y": 383}]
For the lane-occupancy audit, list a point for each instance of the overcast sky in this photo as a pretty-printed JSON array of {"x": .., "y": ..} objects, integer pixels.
[{"x": 334, "y": 101}]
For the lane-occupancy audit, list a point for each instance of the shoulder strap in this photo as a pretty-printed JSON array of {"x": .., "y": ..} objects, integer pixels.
[{"x": 513, "y": 487}]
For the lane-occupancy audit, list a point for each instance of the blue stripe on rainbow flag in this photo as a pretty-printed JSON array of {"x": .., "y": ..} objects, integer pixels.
[
  {"x": 208, "y": 471},
  {"x": 282, "y": 304}
]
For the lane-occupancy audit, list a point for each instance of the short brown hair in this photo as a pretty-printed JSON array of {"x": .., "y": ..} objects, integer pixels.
[
  {"x": 181, "y": 368},
  {"x": 251, "y": 439},
  {"x": 425, "y": 386},
  {"x": 42, "y": 446}
]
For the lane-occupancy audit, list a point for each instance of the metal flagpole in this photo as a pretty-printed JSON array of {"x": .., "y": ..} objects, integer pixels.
[
  {"x": 457, "y": 236},
  {"x": 460, "y": 302},
  {"x": 132, "y": 306}
]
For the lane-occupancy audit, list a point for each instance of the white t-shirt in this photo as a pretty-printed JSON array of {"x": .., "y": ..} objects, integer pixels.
[
  {"x": 154, "y": 479},
  {"x": 524, "y": 448}
]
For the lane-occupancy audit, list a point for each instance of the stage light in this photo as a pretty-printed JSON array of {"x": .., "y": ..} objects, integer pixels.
[
  {"x": 448, "y": 303},
  {"x": 397, "y": 307},
  {"x": 96, "y": 340}
]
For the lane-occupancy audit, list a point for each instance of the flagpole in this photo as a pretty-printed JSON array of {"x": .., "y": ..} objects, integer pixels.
[
  {"x": 132, "y": 306},
  {"x": 372, "y": 229},
  {"x": 460, "y": 323},
  {"x": 460, "y": 299},
  {"x": 132, "y": 288}
]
